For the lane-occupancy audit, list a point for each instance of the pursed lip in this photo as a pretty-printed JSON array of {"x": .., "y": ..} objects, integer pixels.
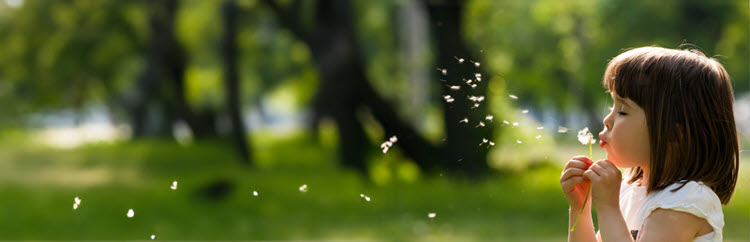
[{"x": 602, "y": 143}]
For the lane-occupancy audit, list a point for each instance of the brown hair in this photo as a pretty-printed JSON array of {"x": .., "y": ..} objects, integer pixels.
[{"x": 687, "y": 98}]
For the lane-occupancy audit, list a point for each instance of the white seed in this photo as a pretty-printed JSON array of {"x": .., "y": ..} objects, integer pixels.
[
  {"x": 492, "y": 143},
  {"x": 506, "y": 122},
  {"x": 478, "y": 75},
  {"x": 303, "y": 188},
  {"x": 476, "y": 64},
  {"x": 75, "y": 206},
  {"x": 481, "y": 124},
  {"x": 255, "y": 193},
  {"x": 525, "y": 111},
  {"x": 455, "y": 87},
  {"x": 540, "y": 127},
  {"x": 519, "y": 141},
  {"x": 465, "y": 120},
  {"x": 515, "y": 124},
  {"x": 153, "y": 237},
  {"x": 431, "y": 215},
  {"x": 367, "y": 198},
  {"x": 174, "y": 185},
  {"x": 131, "y": 213},
  {"x": 393, "y": 139},
  {"x": 539, "y": 136},
  {"x": 461, "y": 60},
  {"x": 514, "y": 97},
  {"x": 561, "y": 129},
  {"x": 489, "y": 117}
]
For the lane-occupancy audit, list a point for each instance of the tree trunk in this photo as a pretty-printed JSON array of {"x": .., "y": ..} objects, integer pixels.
[
  {"x": 229, "y": 52},
  {"x": 462, "y": 151}
]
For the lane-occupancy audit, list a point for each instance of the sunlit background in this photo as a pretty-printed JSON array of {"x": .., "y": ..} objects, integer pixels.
[{"x": 322, "y": 119}]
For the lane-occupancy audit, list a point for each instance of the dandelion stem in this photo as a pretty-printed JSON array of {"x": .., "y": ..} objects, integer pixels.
[{"x": 591, "y": 154}]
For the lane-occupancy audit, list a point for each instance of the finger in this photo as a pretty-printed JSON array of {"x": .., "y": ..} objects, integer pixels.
[
  {"x": 606, "y": 164},
  {"x": 571, "y": 172},
  {"x": 583, "y": 159},
  {"x": 576, "y": 164},
  {"x": 598, "y": 168},
  {"x": 569, "y": 184},
  {"x": 591, "y": 175}
]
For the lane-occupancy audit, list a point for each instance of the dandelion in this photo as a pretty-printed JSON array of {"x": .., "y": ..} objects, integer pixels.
[
  {"x": 481, "y": 124},
  {"x": 586, "y": 138},
  {"x": 514, "y": 97},
  {"x": 561, "y": 129},
  {"x": 174, "y": 185},
  {"x": 153, "y": 237},
  {"x": 131, "y": 213},
  {"x": 388, "y": 143},
  {"x": 303, "y": 188},
  {"x": 431, "y": 215},
  {"x": 76, "y": 203},
  {"x": 488, "y": 118},
  {"x": 448, "y": 98},
  {"x": 465, "y": 120},
  {"x": 525, "y": 111},
  {"x": 455, "y": 88},
  {"x": 255, "y": 193}
]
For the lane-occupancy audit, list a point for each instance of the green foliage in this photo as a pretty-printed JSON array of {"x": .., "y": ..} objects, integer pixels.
[{"x": 38, "y": 186}]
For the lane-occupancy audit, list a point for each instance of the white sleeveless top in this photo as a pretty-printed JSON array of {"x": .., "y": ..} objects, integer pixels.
[{"x": 694, "y": 198}]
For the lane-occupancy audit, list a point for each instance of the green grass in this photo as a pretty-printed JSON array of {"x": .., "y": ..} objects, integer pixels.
[{"x": 38, "y": 184}]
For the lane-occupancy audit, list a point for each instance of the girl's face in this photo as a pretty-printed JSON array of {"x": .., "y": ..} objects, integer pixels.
[{"x": 625, "y": 134}]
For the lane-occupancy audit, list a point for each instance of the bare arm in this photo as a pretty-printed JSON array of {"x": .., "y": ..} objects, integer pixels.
[{"x": 671, "y": 225}]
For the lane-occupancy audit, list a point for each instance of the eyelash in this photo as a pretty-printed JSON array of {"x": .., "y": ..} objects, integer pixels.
[{"x": 620, "y": 112}]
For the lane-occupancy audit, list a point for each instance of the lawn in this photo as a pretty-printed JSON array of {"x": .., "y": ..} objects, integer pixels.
[{"x": 215, "y": 201}]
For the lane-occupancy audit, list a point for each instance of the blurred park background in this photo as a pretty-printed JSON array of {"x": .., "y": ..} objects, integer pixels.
[{"x": 275, "y": 117}]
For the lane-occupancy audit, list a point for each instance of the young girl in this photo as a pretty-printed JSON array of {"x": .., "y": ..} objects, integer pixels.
[{"x": 672, "y": 127}]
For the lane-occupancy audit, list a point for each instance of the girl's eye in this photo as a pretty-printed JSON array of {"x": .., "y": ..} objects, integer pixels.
[{"x": 622, "y": 113}]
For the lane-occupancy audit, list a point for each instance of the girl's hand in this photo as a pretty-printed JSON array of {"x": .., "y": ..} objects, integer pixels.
[
  {"x": 572, "y": 181},
  {"x": 605, "y": 184}
]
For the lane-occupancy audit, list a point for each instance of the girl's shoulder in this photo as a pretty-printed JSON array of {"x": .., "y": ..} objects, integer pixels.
[{"x": 691, "y": 197}]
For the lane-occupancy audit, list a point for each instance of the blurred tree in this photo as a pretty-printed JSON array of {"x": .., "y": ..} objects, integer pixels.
[{"x": 231, "y": 80}]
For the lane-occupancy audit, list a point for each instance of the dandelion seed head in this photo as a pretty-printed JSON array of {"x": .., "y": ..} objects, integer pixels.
[
  {"x": 525, "y": 111},
  {"x": 515, "y": 124},
  {"x": 385, "y": 149},
  {"x": 488, "y": 118},
  {"x": 485, "y": 140},
  {"x": 465, "y": 120},
  {"x": 361, "y": 195},
  {"x": 585, "y": 137},
  {"x": 514, "y": 97},
  {"x": 561, "y": 129},
  {"x": 174, "y": 185},
  {"x": 77, "y": 200},
  {"x": 393, "y": 139},
  {"x": 455, "y": 87},
  {"x": 303, "y": 188},
  {"x": 480, "y": 98},
  {"x": 518, "y": 141},
  {"x": 476, "y": 64},
  {"x": 461, "y": 60},
  {"x": 478, "y": 75},
  {"x": 540, "y": 127},
  {"x": 431, "y": 215},
  {"x": 130, "y": 213},
  {"x": 481, "y": 124},
  {"x": 539, "y": 136},
  {"x": 75, "y": 206},
  {"x": 367, "y": 198},
  {"x": 476, "y": 105},
  {"x": 153, "y": 237},
  {"x": 492, "y": 143},
  {"x": 255, "y": 193},
  {"x": 506, "y": 122},
  {"x": 473, "y": 86}
]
